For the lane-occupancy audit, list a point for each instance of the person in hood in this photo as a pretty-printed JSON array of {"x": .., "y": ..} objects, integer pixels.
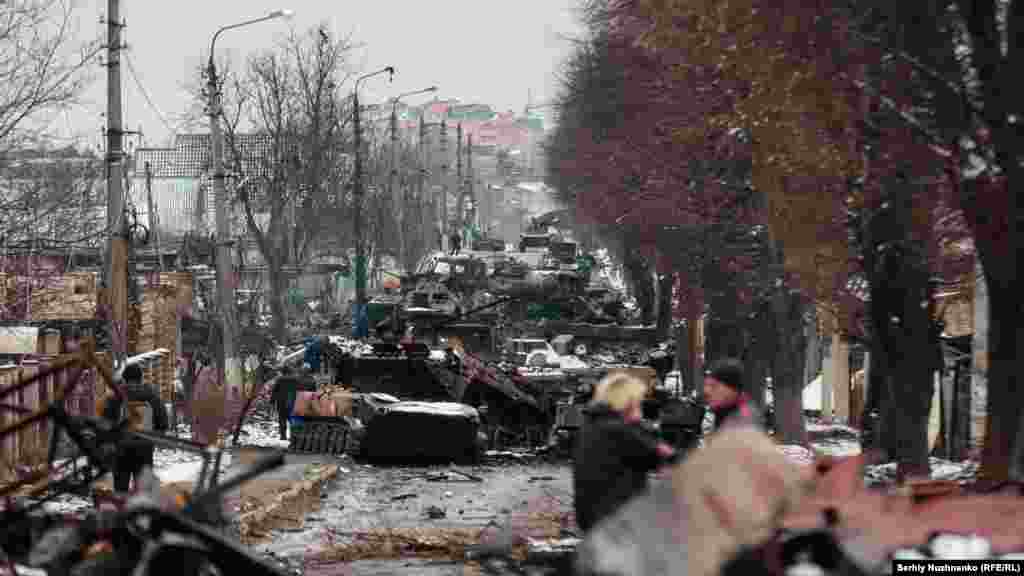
[
  {"x": 614, "y": 452},
  {"x": 142, "y": 411},
  {"x": 725, "y": 396}
]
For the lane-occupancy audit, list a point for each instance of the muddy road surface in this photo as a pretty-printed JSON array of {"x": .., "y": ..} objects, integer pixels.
[{"x": 426, "y": 520}]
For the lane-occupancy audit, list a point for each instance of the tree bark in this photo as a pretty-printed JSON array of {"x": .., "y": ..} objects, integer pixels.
[
  {"x": 902, "y": 307},
  {"x": 664, "y": 323},
  {"x": 876, "y": 391},
  {"x": 726, "y": 333},
  {"x": 1003, "y": 411},
  {"x": 639, "y": 277},
  {"x": 790, "y": 345},
  {"x": 278, "y": 310}
]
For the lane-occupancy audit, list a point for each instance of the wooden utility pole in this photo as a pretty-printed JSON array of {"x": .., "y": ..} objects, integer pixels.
[
  {"x": 117, "y": 263},
  {"x": 154, "y": 221}
]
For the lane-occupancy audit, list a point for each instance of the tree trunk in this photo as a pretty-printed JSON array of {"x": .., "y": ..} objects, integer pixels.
[
  {"x": 682, "y": 358},
  {"x": 790, "y": 345},
  {"x": 876, "y": 391},
  {"x": 1005, "y": 343},
  {"x": 664, "y": 323},
  {"x": 639, "y": 277},
  {"x": 725, "y": 335},
  {"x": 689, "y": 364},
  {"x": 908, "y": 340},
  {"x": 278, "y": 310}
]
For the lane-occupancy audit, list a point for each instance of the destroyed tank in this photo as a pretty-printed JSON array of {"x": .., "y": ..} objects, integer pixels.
[{"x": 392, "y": 408}]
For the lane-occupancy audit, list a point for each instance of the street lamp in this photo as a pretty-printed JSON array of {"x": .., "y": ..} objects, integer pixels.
[
  {"x": 399, "y": 202},
  {"x": 225, "y": 292},
  {"x": 359, "y": 313}
]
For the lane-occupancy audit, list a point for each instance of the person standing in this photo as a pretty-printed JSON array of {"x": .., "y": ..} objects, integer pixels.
[
  {"x": 455, "y": 241},
  {"x": 313, "y": 355},
  {"x": 207, "y": 402},
  {"x": 614, "y": 453},
  {"x": 286, "y": 388},
  {"x": 725, "y": 396},
  {"x": 144, "y": 412}
]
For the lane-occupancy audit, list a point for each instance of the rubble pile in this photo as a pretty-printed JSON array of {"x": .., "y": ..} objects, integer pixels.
[
  {"x": 428, "y": 542},
  {"x": 343, "y": 345}
]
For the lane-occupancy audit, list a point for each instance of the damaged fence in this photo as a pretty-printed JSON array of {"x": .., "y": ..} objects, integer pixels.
[{"x": 26, "y": 449}]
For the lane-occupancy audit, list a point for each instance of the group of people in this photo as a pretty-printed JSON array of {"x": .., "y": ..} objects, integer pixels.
[{"x": 615, "y": 453}]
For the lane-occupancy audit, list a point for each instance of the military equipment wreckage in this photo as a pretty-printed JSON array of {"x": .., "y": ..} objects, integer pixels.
[{"x": 450, "y": 389}]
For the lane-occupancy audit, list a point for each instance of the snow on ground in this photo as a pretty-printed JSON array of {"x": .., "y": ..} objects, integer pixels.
[
  {"x": 961, "y": 472},
  {"x": 182, "y": 465},
  {"x": 838, "y": 441},
  {"x": 816, "y": 427}
]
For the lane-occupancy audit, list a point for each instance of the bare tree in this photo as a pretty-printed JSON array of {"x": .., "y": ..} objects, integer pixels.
[
  {"x": 51, "y": 209},
  {"x": 293, "y": 97},
  {"x": 43, "y": 67}
]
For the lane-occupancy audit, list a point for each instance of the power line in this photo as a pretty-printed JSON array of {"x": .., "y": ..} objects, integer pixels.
[{"x": 145, "y": 94}]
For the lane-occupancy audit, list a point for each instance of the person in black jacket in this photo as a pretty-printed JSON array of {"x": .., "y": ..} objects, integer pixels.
[
  {"x": 286, "y": 388},
  {"x": 725, "y": 396},
  {"x": 614, "y": 452},
  {"x": 144, "y": 412}
]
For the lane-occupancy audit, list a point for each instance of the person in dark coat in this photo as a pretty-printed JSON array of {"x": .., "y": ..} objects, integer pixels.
[
  {"x": 614, "y": 453},
  {"x": 143, "y": 411},
  {"x": 314, "y": 353},
  {"x": 283, "y": 396},
  {"x": 456, "y": 243},
  {"x": 725, "y": 396}
]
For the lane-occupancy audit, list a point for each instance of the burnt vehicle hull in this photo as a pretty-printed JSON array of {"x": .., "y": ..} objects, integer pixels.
[
  {"x": 383, "y": 428},
  {"x": 423, "y": 432}
]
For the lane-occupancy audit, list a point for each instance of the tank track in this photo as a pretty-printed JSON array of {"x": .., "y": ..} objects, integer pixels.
[{"x": 327, "y": 436}]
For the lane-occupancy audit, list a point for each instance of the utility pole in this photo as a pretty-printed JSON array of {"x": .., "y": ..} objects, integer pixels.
[
  {"x": 443, "y": 213},
  {"x": 231, "y": 375},
  {"x": 470, "y": 177},
  {"x": 117, "y": 253},
  {"x": 393, "y": 190},
  {"x": 398, "y": 195},
  {"x": 359, "y": 314},
  {"x": 426, "y": 228},
  {"x": 459, "y": 188},
  {"x": 229, "y": 367},
  {"x": 154, "y": 224}
]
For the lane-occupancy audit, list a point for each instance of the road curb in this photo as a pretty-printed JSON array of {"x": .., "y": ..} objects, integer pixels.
[{"x": 251, "y": 520}]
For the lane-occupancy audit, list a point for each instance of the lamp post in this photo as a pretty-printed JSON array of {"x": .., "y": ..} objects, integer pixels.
[
  {"x": 399, "y": 202},
  {"x": 228, "y": 360},
  {"x": 359, "y": 314}
]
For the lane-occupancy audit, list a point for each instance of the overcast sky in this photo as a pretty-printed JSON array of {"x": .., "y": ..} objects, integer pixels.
[{"x": 487, "y": 51}]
